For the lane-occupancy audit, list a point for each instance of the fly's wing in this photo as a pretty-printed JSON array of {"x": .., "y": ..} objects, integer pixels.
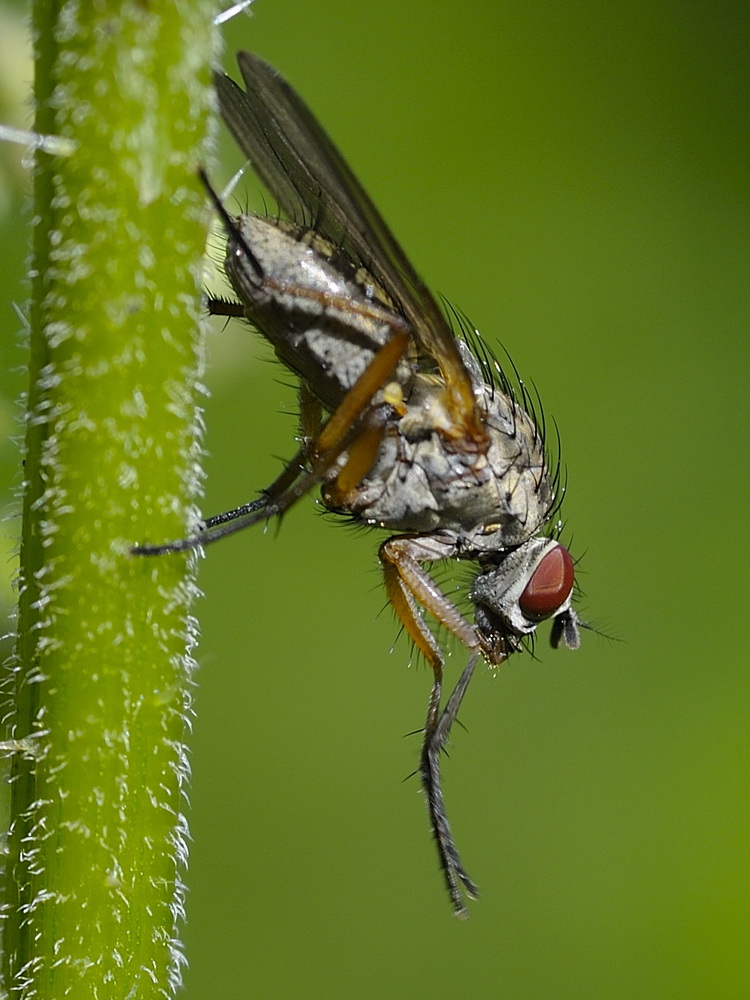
[{"x": 299, "y": 164}]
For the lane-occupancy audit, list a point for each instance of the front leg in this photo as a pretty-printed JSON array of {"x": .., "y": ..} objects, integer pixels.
[{"x": 408, "y": 586}]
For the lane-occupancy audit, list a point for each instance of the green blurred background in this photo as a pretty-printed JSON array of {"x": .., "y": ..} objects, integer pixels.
[{"x": 575, "y": 176}]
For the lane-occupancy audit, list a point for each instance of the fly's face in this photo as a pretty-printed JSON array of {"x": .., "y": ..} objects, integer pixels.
[
  {"x": 405, "y": 426},
  {"x": 517, "y": 591}
]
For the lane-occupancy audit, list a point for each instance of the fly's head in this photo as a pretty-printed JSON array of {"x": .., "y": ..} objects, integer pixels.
[{"x": 517, "y": 590}]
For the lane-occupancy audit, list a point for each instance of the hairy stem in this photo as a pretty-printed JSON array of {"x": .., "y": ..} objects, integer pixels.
[{"x": 98, "y": 697}]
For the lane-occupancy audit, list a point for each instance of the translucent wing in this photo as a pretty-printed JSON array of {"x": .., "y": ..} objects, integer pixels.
[{"x": 297, "y": 161}]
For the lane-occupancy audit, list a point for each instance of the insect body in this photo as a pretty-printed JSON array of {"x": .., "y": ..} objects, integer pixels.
[{"x": 404, "y": 426}]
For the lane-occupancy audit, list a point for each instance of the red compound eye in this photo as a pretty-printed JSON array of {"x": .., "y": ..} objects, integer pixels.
[{"x": 550, "y": 584}]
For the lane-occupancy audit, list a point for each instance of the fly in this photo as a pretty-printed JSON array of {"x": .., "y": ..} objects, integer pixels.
[{"x": 404, "y": 426}]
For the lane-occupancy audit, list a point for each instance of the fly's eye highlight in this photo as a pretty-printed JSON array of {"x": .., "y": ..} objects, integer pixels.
[{"x": 550, "y": 584}]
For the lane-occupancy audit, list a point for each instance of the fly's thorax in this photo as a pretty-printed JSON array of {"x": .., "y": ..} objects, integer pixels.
[
  {"x": 421, "y": 482},
  {"x": 324, "y": 324},
  {"x": 518, "y": 460},
  {"x": 518, "y": 589}
]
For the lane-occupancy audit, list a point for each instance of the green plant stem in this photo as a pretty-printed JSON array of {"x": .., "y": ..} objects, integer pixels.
[{"x": 99, "y": 696}]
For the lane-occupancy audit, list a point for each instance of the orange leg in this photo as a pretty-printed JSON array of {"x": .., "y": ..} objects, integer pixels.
[
  {"x": 360, "y": 456},
  {"x": 407, "y": 582}
]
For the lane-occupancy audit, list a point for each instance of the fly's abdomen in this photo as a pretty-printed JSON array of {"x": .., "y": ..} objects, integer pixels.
[{"x": 323, "y": 325}]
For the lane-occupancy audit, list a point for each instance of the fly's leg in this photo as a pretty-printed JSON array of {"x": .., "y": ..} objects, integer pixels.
[
  {"x": 408, "y": 586},
  {"x": 407, "y": 583},
  {"x": 429, "y": 770},
  {"x": 311, "y": 463},
  {"x": 360, "y": 457},
  {"x": 310, "y": 416},
  {"x": 311, "y": 419},
  {"x": 276, "y": 489}
]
